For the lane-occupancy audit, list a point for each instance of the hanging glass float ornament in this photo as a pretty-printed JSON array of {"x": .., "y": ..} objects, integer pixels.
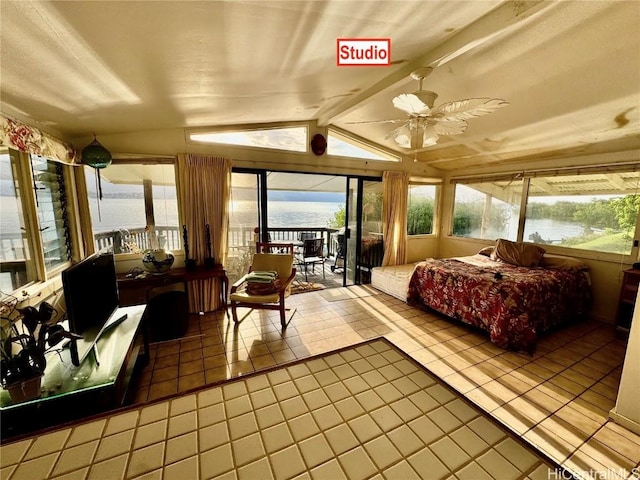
[{"x": 97, "y": 157}]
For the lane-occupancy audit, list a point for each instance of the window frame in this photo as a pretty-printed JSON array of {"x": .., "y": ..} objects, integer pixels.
[
  {"x": 87, "y": 219},
  {"x": 39, "y": 280},
  {"x": 517, "y": 220},
  {"x": 437, "y": 184},
  {"x": 249, "y": 128},
  {"x": 388, "y": 155}
]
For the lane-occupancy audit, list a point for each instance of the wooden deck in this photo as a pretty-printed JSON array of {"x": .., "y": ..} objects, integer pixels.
[{"x": 330, "y": 280}]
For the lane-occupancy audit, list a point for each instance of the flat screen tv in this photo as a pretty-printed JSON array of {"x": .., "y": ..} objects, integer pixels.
[{"x": 91, "y": 296}]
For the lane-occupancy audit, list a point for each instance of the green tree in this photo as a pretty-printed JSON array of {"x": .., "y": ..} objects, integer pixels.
[
  {"x": 372, "y": 206},
  {"x": 420, "y": 217},
  {"x": 339, "y": 217},
  {"x": 626, "y": 211},
  {"x": 467, "y": 217},
  {"x": 597, "y": 214}
]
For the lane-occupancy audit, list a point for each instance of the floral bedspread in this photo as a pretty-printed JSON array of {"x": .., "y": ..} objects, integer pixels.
[{"x": 514, "y": 304}]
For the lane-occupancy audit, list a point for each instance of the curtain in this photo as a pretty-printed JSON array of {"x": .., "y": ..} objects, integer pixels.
[
  {"x": 204, "y": 184},
  {"x": 395, "y": 190},
  {"x": 26, "y": 138}
]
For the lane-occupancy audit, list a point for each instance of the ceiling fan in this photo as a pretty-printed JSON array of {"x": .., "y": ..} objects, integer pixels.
[{"x": 426, "y": 122}]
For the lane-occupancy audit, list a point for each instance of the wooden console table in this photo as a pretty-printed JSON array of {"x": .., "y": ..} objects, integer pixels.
[{"x": 136, "y": 290}]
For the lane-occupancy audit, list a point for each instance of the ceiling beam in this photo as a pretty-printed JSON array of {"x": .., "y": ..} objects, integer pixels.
[
  {"x": 540, "y": 183},
  {"x": 617, "y": 181},
  {"x": 503, "y": 18}
]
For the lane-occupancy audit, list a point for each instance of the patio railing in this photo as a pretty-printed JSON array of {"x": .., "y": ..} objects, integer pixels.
[
  {"x": 124, "y": 240},
  {"x": 241, "y": 244},
  {"x": 128, "y": 240}
]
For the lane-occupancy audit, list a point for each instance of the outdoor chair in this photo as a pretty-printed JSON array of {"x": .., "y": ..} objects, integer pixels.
[
  {"x": 265, "y": 262},
  {"x": 312, "y": 254},
  {"x": 270, "y": 247},
  {"x": 302, "y": 236}
]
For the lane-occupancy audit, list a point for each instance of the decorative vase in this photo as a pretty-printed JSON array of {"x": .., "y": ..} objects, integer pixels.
[
  {"x": 158, "y": 260},
  {"x": 25, "y": 390}
]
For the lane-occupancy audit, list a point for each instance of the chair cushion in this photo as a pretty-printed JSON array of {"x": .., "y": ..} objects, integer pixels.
[
  {"x": 244, "y": 297},
  {"x": 257, "y": 276},
  {"x": 264, "y": 288}
]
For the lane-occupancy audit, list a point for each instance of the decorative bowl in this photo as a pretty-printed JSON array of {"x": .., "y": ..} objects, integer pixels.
[{"x": 158, "y": 260}]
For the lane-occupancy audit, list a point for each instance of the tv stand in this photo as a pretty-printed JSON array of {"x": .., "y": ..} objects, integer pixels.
[
  {"x": 87, "y": 347},
  {"x": 70, "y": 392}
]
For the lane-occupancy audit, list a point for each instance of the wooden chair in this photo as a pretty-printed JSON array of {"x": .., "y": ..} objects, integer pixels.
[
  {"x": 312, "y": 254},
  {"x": 271, "y": 247},
  {"x": 281, "y": 263}
]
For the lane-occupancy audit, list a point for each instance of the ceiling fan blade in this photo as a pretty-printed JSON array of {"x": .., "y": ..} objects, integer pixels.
[
  {"x": 411, "y": 104},
  {"x": 469, "y": 108},
  {"x": 450, "y": 127}
]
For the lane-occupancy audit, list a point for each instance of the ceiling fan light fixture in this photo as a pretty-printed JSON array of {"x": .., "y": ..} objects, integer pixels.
[
  {"x": 429, "y": 137},
  {"x": 402, "y": 136},
  {"x": 409, "y": 137}
]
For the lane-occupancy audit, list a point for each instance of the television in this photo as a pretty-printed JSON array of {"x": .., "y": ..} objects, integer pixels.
[{"x": 91, "y": 296}]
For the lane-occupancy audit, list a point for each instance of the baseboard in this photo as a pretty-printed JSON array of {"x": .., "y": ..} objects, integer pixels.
[{"x": 624, "y": 421}]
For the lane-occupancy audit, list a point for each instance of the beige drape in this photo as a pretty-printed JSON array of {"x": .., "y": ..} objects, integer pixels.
[
  {"x": 204, "y": 184},
  {"x": 395, "y": 190}
]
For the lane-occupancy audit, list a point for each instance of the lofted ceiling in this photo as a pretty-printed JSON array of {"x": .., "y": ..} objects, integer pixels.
[{"x": 569, "y": 70}]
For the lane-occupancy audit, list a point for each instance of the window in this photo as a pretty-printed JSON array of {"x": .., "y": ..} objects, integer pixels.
[
  {"x": 591, "y": 212},
  {"x": 134, "y": 196},
  {"x": 31, "y": 187},
  {"x": 591, "y": 209},
  {"x": 51, "y": 205},
  {"x": 15, "y": 254},
  {"x": 420, "y": 208},
  {"x": 343, "y": 145},
  {"x": 292, "y": 139},
  {"x": 488, "y": 210}
]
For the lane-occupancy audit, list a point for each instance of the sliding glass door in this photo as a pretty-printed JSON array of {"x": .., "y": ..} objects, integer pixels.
[
  {"x": 285, "y": 207},
  {"x": 352, "y": 231},
  {"x": 364, "y": 242},
  {"x": 245, "y": 220}
]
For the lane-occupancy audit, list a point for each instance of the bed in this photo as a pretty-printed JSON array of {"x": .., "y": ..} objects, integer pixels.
[
  {"x": 513, "y": 303},
  {"x": 393, "y": 280}
]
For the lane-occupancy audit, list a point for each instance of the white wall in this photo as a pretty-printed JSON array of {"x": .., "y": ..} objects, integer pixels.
[
  {"x": 422, "y": 247},
  {"x": 627, "y": 409}
]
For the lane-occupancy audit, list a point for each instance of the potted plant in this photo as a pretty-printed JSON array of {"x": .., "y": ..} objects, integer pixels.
[{"x": 27, "y": 335}]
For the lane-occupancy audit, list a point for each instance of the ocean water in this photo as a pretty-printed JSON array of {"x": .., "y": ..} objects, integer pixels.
[
  {"x": 284, "y": 214},
  {"x": 116, "y": 213},
  {"x": 126, "y": 213}
]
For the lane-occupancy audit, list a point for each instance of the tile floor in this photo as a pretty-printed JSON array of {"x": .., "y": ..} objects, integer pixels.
[
  {"x": 557, "y": 400},
  {"x": 361, "y": 412}
]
